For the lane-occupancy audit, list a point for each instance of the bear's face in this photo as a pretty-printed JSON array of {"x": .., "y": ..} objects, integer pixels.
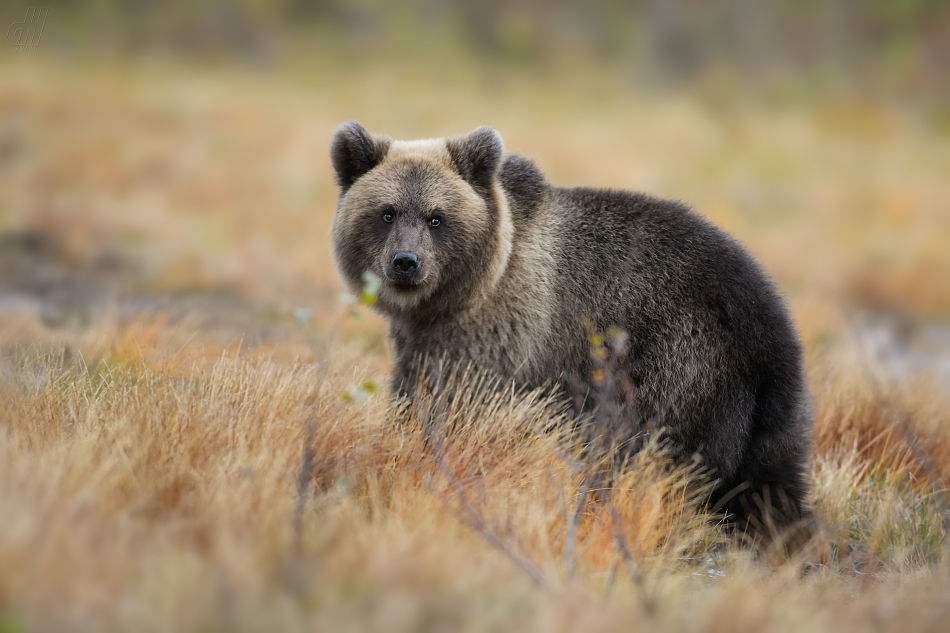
[{"x": 425, "y": 217}]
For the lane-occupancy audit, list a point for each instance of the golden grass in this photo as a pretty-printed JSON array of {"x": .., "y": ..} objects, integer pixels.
[
  {"x": 151, "y": 457},
  {"x": 139, "y": 499}
]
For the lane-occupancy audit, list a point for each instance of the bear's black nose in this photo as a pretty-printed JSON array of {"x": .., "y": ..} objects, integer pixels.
[{"x": 405, "y": 263}]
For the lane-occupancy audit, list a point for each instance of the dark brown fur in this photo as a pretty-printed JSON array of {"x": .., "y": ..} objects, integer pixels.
[{"x": 519, "y": 272}]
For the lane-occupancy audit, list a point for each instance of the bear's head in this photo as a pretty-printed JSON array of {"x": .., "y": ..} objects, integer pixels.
[{"x": 428, "y": 218}]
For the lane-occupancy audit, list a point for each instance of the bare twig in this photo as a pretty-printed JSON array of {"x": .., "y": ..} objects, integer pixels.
[
  {"x": 575, "y": 526},
  {"x": 620, "y": 537},
  {"x": 304, "y": 478},
  {"x": 469, "y": 516},
  {"x": 435, "y": 426}
]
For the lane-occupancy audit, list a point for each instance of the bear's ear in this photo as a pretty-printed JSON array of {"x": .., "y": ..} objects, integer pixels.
[
  {"x": 354, "y": 151},
  {"x": 477, "y": 155}
]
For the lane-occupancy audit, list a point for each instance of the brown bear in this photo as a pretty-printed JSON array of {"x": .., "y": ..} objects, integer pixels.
[{"x": 483, "y": 262}]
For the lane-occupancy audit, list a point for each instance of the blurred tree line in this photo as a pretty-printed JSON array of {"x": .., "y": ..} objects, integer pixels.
[{"x": 900, "y": 46}]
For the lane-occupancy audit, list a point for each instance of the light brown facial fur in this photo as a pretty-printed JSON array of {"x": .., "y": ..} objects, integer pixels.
[{"x": 415, "y": 203}]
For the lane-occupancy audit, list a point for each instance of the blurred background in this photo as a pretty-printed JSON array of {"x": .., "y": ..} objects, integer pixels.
[{"x": 166, "y": 195}]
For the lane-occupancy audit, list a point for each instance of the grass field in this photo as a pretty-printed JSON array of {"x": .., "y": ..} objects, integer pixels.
[{"x": 173, "y": 338}]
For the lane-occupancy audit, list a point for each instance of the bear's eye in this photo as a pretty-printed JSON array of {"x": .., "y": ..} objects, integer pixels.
[
  {"x": 388, "y": 217},
  {"x": 435, "y": 221}
]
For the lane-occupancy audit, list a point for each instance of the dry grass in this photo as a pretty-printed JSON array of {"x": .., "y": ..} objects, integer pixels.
[
  {"x": 138, "y": 499},
  {"x": 173, "y": 341}
]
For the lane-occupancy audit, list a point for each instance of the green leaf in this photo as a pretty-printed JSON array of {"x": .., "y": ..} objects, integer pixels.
[{"x": 371, "y": 285}]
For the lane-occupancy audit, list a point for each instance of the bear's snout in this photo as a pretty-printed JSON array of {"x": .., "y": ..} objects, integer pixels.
[{"x": 405, "y": 265}]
